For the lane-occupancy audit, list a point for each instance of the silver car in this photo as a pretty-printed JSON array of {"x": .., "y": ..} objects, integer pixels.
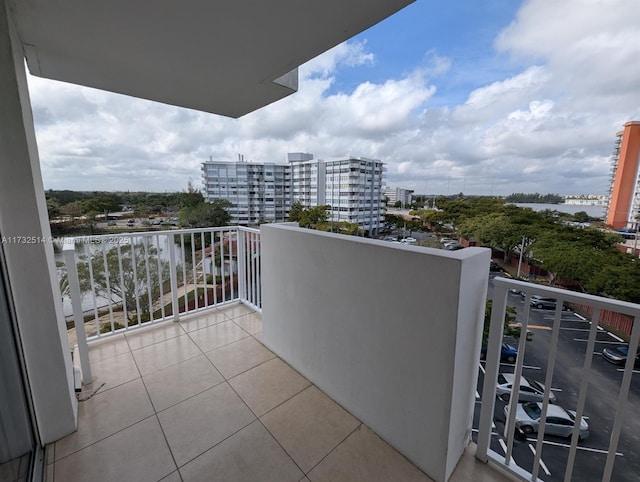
[
  {"x": 530, "y": 390},
  {"x": 559, "y": 421}
]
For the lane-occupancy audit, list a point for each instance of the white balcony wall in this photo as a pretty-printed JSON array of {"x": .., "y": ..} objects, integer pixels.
[
  {"x": 400, "y": 356},
  {"x": 28, "y": 251}
]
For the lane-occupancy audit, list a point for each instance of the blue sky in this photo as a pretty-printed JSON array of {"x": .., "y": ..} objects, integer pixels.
[
  {"x": 480, "y": 97},
  {"x": 462, "y": 31}
]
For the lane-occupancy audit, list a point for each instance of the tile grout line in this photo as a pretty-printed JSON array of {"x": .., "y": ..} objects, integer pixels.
[{"x": 360, "y": 424}]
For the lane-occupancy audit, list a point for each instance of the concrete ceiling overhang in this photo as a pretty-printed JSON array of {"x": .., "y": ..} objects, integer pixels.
[{"x": 227, "y": 57}]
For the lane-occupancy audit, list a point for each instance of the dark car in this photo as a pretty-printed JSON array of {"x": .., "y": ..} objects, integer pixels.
[
  {"x": 618, "y": 355},
  {"x": 508, "y": 353}
]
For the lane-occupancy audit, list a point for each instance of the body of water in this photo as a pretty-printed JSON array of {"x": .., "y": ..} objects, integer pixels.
[{"x": 593, "y": 211}]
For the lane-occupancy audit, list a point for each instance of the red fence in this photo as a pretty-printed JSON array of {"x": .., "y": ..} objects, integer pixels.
[{"x": 617, "y": 322}]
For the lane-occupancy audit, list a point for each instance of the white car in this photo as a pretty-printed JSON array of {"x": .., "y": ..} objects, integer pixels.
[
  {"x": 530, "y": 390},
  {"x": 409, "y": 240},
  {"x": 559, "y": 421}
]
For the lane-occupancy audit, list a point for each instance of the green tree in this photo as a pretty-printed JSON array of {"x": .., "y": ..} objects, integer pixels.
[
  {"x": 295, "y": 212},
  {"x": 341, "y": 227},
  {"x": 581, "y": 217},
  {"x": 577, "y": 254},
  {"x": 393, "y": 221},
  {"x": 204, "y": 215},
  {"x": 73, "y": 209},
  {"x": 191, "y": 198},
  {"x": 309, "y": 217},
  {"x": 53, "y": 208},
  {"x": 102, "y": 204}
]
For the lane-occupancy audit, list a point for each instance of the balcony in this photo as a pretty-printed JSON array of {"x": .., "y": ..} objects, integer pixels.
[
  {"x": 196, "y": 336},
  {"x": 204, "y": 396},
  {"x": 295, "y": 312}
]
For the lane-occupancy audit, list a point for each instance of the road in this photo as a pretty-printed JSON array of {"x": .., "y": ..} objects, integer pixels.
[{"x": 602, "y": 398}]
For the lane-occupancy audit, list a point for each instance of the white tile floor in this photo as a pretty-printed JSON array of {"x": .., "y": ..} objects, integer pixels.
[{"x": 203, "y": 399}]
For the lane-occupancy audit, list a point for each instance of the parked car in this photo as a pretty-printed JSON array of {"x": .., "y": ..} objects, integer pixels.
[
  {"x": 131, "y": 222},
  {"x": 559, "y": 421},
  {"x": 618, "y": 355},
  {"x": 409, "y": 240},
  {"x": 530, "y": 390},
  {"x": 508, "y": 353},
  {"x": 542, "y": 302}
]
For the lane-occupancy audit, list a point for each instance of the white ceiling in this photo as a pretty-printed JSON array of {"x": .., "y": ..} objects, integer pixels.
[{"x": 219, "y": 56}]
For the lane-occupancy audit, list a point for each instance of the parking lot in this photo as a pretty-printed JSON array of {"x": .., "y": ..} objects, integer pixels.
[{"x": 602, "y": 398}]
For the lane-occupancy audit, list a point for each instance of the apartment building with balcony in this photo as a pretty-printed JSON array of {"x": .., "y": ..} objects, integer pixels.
[
  {"x": 350, "y": 186},
  {"x": 395, "y": 194},
  {"x": 623, "y": 209},
  {"x": 258, "y": 192},
  {"x": 263, "y": 192}
]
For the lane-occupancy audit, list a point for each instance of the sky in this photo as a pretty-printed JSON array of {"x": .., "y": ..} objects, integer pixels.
[{"x": 484, "y": 97}]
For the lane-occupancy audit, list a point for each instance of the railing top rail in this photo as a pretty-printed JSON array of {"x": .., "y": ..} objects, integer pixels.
[
  {"x": 154, "y": 233},
  {"x": 249, "y": 230},
  {"x": 624, "y": 307}
]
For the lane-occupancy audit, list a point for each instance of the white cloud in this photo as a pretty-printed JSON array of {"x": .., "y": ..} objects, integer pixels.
[{"x": 549, "y": 127}]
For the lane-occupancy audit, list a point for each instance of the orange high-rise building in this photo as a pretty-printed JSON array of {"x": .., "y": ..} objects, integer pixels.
[{"x": 624, "y": 195}]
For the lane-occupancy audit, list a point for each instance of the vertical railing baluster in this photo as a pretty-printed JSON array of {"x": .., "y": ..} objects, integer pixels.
[
  {"x": 258, "y": 301},
  {"x": 76, "y": 305},
  {"x": 213, "y": 267},
  {"x": 96, "y": 315},
  {"x": 160, "y": 277},
  {"x": 183, "y": 259},
  {"x": 252, "y": 268},
  {"x": 223, "y": 277},
  {"x": 173, "y": 277},
  {"x": 136, "y": 286},
  {"x": 145, "y": 240},
  {"x": 193, "y": 271},
  {"x": 623, "y": 398},
  {"x": 107, "y": 281},
  {"x": 498, "y": 310},
  {"x": 231, "y": 270},
  {"x": 203, "y": 244},
  {"x": 125, "y": 316},
  {"x": 241, "y": 254},
  {"x": 582, "y": 394}
]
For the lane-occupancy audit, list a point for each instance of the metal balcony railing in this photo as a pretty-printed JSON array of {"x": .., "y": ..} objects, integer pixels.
[
  {"x": 594, "y": 310},
  {"x": 121, "y": 282}
]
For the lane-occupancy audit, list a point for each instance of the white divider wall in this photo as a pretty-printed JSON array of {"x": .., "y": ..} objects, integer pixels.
[{"x": 390, "y": 332}]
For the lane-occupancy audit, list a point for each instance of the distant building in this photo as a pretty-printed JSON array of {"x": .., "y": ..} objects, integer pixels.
[
  {"x": 351, "y": 186},
  {"x": 258, "y": 192},
  {"x": 624, "y": 195},
  {"x": 398, "y": 194},
  {"x": 263, "y": 192},
  {"x": 587, "y": 200}
]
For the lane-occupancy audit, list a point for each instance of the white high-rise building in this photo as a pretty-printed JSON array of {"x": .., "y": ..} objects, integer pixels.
[
  {"x": 258, "y": 192},
  {"x": 351, "y": 186},
  {"x": 263, "y": 192},
  {"x": 398, "y": 194}
]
